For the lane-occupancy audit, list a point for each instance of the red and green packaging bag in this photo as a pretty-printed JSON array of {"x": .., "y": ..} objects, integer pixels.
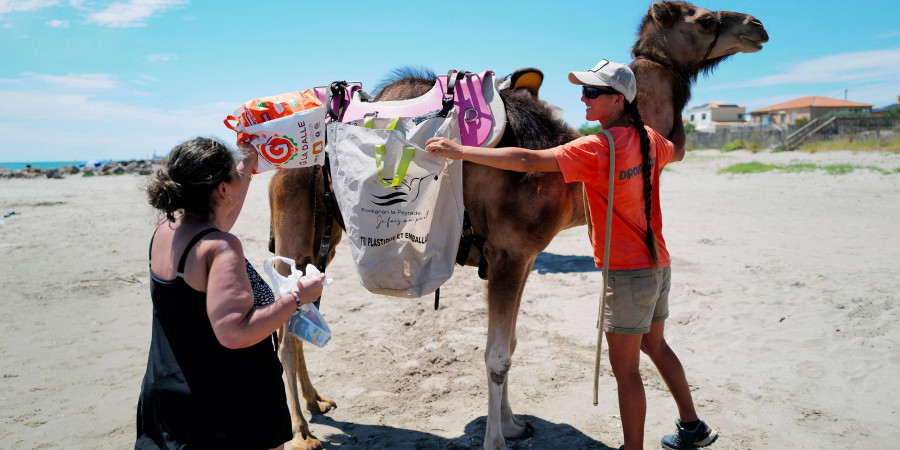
[{"x": 287, "y": 130}]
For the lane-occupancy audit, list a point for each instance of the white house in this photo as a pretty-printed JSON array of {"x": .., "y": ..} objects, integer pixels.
[{"x": 706, "y": 117}]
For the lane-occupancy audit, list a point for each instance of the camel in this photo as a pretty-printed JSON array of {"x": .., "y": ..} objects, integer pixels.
[{"x": 516, "y": 214}]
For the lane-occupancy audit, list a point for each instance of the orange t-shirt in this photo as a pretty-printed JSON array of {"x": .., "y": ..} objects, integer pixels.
[{"x": 586, "y": 159}]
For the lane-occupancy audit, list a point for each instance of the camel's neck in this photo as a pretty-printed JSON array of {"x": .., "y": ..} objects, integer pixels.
[
  {"x": 661, "y": 58},
  {"x": 651, "y": 45},
  {"x": 680, "y": 80}
]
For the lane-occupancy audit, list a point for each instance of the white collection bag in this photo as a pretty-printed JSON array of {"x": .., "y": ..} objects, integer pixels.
[
  {"x": 307, "y": 323},
  {"x": 402, "y": 206}
]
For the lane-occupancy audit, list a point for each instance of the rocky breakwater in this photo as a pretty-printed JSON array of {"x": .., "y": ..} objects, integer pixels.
[{"x": 140, "y": 167}]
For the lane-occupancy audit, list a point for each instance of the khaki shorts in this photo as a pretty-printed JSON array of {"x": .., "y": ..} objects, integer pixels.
[{"x": 635, "y": 299}]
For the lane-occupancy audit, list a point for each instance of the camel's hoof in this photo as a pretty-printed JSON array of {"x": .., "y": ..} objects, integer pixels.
[
  {"x": 321, "y": 406},
  {"x": 309, "y": 443},
  {"x": 526, "y": 433}
]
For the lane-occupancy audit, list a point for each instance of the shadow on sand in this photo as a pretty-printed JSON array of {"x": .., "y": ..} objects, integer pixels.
[
  {"x": 553, "y": 263},
  {"x": 547, "y": 435}
]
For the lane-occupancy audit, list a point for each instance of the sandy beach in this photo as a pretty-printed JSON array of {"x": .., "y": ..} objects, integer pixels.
[{"x": 783, "y": 310}]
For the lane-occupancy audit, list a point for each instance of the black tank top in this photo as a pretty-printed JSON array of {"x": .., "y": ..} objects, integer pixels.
[{"x": 198, "y": 394}]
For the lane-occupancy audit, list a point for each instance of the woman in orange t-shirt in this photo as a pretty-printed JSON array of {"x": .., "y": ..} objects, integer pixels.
[{"x": 638, "y": 272}]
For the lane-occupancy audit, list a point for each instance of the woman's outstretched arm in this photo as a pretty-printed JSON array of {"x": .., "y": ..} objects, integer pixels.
[{"x": 507, "y": 158}]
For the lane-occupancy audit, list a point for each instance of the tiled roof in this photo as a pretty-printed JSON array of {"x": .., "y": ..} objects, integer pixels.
[{"x": 812, "y": 102}]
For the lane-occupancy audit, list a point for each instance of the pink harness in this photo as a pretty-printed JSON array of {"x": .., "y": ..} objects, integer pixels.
[{"x": 482, "y": 115}]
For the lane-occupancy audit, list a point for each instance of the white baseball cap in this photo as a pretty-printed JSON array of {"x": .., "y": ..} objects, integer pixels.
[{"x": 608, "y": 73}]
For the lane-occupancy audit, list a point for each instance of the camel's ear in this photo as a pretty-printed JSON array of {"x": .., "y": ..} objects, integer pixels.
[{"x": 664, "y": 13}]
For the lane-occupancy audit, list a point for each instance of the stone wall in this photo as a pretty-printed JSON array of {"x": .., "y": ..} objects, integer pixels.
[{"x": 773, "y": 136}]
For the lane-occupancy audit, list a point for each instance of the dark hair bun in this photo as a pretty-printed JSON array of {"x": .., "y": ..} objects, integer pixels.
[
  {"x": 192, "y": 172},
  {"x": 164, "y": 194}
]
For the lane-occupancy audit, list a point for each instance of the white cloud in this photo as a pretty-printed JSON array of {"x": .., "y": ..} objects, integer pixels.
[
  {"x": 38, "y": 105},
  {"x": 56, "y": 23},
  {"x": 86, "y": 127},
  {"x": 96, "y": 81},
  {"x": 867, "y": 66},
  {"x": 880, "y": 94},
  {"x": 145, "y": 80},
  {"x": 131, "y": 14},
  {"x": 8, "y": 6},
  {"x": 165, "y": 57}
]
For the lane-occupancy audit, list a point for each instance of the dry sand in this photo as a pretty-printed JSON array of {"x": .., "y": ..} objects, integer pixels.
[{"x": 783, "y": 311}]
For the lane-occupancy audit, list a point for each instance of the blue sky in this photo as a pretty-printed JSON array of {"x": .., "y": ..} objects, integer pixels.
[{"x": 128, "y": 79}]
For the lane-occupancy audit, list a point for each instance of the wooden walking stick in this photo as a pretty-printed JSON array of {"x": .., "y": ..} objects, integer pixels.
[{"x": 609, "y": 211}]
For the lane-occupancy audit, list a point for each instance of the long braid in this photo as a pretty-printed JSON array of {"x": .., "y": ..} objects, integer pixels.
[{"x": 646, "y": 172}]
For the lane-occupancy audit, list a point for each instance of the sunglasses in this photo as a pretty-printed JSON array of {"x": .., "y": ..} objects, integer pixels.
[{"x": 592, "y": 92}]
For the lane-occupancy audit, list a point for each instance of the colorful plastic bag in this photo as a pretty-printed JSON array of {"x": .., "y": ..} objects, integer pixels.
[{"x": 287, "y": 130}]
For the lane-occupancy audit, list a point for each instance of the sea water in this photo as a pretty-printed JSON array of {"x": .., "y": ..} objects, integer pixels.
[{"x": 45, "y": 165}]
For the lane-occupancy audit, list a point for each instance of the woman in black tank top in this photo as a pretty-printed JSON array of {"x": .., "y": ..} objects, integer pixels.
[{"x": 213, "y": 378}]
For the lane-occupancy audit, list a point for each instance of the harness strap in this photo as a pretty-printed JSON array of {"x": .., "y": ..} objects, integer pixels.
[
  {"x": 451, "y": 84},
  {"x": 325, "y": 245},
  {"x": 466, "y": 239},
  {"x": 335, "y": 90},
  {"x": 449, "y": 95},
  {"x": 715, "y": 39}
]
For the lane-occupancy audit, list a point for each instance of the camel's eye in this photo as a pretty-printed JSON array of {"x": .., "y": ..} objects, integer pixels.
[{"x": 707, "y": 22}]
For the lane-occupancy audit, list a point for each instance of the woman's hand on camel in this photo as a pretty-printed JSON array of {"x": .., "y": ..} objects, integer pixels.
[
  {"x": 442, "y": 146},
  {"x": 310, "y": 288}
]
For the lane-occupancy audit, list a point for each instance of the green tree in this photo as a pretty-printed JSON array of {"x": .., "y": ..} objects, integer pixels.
[
  {"x": 587, "y": 129},
  {"x": 799, "y": 123},
  {"x": 892, "y": 112}
]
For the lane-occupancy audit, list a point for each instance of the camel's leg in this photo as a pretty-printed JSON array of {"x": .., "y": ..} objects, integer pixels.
[
  {"x": 505, "y": 277},
  {"x": 506, "y": 414},
  {"x": 315, "y": 403},
  {"x": 288, "y": 350},
  {"x": 294, "y": 229}
]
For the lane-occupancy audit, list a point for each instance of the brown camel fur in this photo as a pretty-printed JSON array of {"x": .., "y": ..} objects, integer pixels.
[
  {"x": 674, "y": 45},
  {"x": 516, "y": 214}
]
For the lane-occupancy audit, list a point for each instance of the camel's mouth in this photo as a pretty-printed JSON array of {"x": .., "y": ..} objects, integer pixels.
[{"x": 750, "y": 45}]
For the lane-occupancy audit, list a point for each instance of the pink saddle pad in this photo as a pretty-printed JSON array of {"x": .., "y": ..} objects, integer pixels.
[{"x": 482, "y": 115}]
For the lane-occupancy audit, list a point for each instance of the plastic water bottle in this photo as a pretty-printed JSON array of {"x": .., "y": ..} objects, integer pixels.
[{"x": 308, "y": 324}]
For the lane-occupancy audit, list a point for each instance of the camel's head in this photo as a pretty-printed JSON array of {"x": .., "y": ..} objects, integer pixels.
[{"x": 696, "y": 37}]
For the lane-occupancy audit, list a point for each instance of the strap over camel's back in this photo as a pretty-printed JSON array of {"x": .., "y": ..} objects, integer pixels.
[{"x": 482, "y": 115}]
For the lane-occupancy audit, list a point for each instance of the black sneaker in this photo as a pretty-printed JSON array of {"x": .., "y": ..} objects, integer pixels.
[{"x": 702, "y": 436}]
